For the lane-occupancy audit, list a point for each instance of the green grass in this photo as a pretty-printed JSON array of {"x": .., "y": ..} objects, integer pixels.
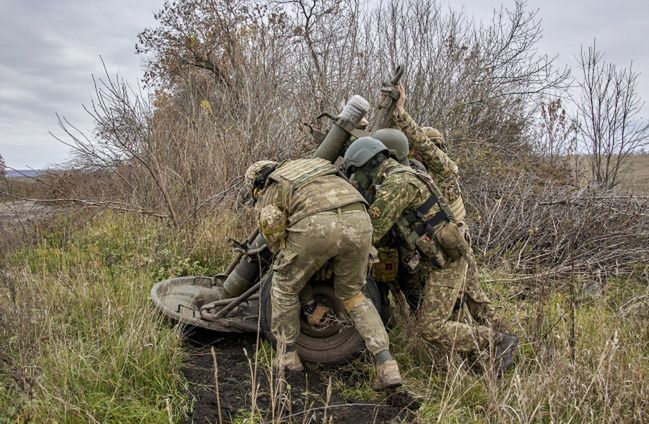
[
  {"x": 80, "y": 339},
  {"x": 81, "y": 342},
  {"x": 599, "y": 375}
]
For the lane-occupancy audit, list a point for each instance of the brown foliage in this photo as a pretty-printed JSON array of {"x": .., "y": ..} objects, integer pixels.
[{"x": 234, "y": 81}]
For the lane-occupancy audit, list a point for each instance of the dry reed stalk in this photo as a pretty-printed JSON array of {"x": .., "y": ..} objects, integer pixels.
[{"x": 216, "y": 384}]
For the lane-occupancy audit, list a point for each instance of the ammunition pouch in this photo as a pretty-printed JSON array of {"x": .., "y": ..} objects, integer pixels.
[
  {"x": 272, "y": 225},
  {"x": 451, "y": 238},
  {"x": 385, "y": 270},
  {"x": 438, "y": 238},
  {"x": 430, "y": 249}
]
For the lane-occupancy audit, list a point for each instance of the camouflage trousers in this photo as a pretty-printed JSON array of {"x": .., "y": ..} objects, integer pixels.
[
  {"x": 477, "y": 301},
  {"x": 343, "y": 236},
  {"x": 442, "y": 288}
]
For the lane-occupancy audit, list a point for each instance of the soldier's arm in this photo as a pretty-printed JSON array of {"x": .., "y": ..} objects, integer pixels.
[
  {"x": 435, "y": 159},
  {"x": 393, "y": 197},
  {"x": 269, "y": 196}
]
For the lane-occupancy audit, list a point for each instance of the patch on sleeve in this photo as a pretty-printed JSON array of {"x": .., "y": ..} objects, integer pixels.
[{"x": 375, "y": 212}]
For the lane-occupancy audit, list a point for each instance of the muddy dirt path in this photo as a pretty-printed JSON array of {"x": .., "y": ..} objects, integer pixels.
[{"x": 308, "y": 390}]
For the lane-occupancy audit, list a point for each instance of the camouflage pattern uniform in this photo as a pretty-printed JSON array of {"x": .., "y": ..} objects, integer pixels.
[
  {"x": 401, "y": 190},
  {"x": 327, "y": 220},
  {"x": 427, "y": 142}
]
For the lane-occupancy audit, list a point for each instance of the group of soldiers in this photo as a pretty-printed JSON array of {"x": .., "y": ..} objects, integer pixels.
[{"x": 383, "y": 200}]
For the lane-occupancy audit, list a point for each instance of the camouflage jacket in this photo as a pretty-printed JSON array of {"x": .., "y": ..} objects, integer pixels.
[
  {"x": 398, "y": 191},
  {"x": 443, "y": 170}
]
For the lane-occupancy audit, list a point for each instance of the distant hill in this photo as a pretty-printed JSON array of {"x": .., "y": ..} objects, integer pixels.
[{"x": 18, "y": 173}]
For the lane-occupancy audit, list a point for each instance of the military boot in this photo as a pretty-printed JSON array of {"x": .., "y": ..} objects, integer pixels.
[
  {"x": 504, "y": 346},
  {"x": 387, "y": 375},
  {"x": 290, "y": 361}
]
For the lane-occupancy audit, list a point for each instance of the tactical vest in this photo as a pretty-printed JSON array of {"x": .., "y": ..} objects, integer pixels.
[
  {"x": 310, "y": 186},
  {"x": 432, "y": 229},
  {"x": 423, "y": 219}
]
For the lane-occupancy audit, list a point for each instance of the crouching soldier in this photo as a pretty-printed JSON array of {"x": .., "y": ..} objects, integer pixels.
[
  {"x": 412, "y": 204},
  {"x": 431, "y": 148},
  {"x": 309, "y": 215}
]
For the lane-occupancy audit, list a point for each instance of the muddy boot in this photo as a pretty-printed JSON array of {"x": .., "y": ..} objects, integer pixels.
[
  {"x": 290, "y": 361},
  {"x": 317, "y": 315},
  {"x": 387, "y": 375},
  {"x": 504, "y": 346}
]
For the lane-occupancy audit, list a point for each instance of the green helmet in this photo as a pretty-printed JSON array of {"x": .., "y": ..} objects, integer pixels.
[
  {"x": 395, "y": 141},
  {"x": 361, "y": 151},
  {"x": 257, "y": 173}
]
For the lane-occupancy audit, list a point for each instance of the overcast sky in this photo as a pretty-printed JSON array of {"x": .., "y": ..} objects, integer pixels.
[{"x": 50, "y": 48}]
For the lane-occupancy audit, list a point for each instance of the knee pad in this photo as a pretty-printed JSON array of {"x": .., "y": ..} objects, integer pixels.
[{"x": 353, "y": 301}]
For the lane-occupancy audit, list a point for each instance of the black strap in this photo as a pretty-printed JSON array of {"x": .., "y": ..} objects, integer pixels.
[
  {"x": 417, "y": 215},
  {"x": 428, "y": 227},
  {"x": 459, "y": 303}
]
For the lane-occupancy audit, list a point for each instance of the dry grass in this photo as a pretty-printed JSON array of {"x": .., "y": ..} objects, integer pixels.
[{"x": 634, "y": 173}]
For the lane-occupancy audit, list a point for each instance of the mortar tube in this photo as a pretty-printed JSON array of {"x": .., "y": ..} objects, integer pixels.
[
  {"x": 244, "y": 274},
  {"x": 333, "y": 144}
]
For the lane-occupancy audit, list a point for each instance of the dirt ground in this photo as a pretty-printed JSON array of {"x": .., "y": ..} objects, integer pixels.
[{"x": 308, "y": 390}]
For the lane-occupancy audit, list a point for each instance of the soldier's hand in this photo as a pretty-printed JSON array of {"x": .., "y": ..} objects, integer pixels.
[{"x": 401, "y": 101}]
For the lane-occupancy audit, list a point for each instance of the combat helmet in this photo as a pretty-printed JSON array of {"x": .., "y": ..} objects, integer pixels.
[
  {"x": 395, "y": 141},
  {"x": 435, "y": 135},
  {"x": 257, "y": 174},
  {"x": 361, "y": 151}
]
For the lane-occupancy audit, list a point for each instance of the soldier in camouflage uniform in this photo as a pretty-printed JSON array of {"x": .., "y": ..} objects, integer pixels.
[
  {"x": 309, "y": 215},
  {"x": 405, "y": 200},
  {"x": 429, "y": 145},
  {"x": 393, "y": 256}
]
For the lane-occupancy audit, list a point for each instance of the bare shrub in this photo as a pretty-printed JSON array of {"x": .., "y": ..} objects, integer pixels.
[
  {"x": 234, "y": 81},
  {"x": 609, "y": 107},
  {"x": 543, "y": 229}
]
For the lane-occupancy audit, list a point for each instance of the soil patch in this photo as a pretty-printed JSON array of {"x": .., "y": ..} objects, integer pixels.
[{"x": 305, "y": 394}]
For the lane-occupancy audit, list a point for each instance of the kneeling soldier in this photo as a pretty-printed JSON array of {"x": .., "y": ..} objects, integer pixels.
[
  {"x": 309, "y": 215},
  {"x": 412, "y": 204}
]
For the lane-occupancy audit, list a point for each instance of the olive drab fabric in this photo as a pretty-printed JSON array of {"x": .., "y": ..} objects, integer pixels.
[
  {"x": 327, "y": 222},
  {"x": 300, "y": 187}
]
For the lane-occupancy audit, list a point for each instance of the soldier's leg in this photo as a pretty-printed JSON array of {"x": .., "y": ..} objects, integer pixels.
[
  {"x": 304, "y": 254},
  {"x": 477, "y": 300},
  {"x": 350, "y": 268},
  {"x": 441, "y": 291}
]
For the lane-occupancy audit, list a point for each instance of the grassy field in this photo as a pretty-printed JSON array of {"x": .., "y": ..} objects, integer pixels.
[
  {"x": 81, "y": 342},
  {"x": 634, "y": 173}
]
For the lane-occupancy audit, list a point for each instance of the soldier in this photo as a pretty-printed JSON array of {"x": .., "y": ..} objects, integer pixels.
[
  {"x": 430, "y": 147},
  {"x": 411, "y": 203},
  {"x": 309, "y": 215},
  {"x": 394, "y": 256}
]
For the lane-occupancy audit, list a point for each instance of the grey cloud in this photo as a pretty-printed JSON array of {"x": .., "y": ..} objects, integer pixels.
[
  {"x": 49, "y": 49},
  {"x": 48, "y": 52}
]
